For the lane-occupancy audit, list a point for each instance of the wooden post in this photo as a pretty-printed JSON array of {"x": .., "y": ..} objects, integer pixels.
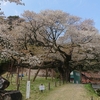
[
  {"x": 49, "y": 86},
  {"x": 26, "y": 73},
  {"x": 60, "y": 82},
  {"x": 29, "y": 74},
  {"x": 46, "y": 73},
  {"x": 11, "y": 70},
  {"x": 18, "y": 86},
  {"x": 63, "y": 81},
  {"x": 17, "y": 78},
  {"x": 52, "y": 74},
  {"x": 8, "y": 75},
  {"x": 55, "y": 84},
  {"x": 11, "y": 77},
  {"x": 91, "y": 97},
  {"x": 21, "y": 72},
  {"x": 36, "y": 74}
]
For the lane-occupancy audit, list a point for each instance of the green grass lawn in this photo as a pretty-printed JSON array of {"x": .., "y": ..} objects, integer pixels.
[{"x": 90, "y": 90}]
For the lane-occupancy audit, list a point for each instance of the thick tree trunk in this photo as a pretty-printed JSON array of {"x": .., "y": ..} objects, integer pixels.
[
  {"x": 66, "y": 72},
  {"x": 66, "y": 76}
]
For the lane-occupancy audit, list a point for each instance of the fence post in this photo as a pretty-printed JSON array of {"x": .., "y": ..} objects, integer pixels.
[
  {"x": 18, "y": 86},
  {"x": 49, "y": 86},
  {"x": 55, "y": 84},
  {"x": 91, "y": 97},
  {"x": 59, "y": 82},
  {"x": 17, "y": 79},
  {"x": 63, "y": 81}
]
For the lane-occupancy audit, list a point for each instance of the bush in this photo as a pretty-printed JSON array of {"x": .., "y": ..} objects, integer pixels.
[{"x": 98, "y": 92}]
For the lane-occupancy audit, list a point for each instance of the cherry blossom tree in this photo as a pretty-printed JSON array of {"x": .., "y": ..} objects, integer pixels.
[
  {"x": 53, "y": 24},
  {"x": 53, "y": 39}
]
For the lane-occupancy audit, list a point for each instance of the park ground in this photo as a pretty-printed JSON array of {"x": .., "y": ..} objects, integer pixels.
[{"x": 67, "y": 91}]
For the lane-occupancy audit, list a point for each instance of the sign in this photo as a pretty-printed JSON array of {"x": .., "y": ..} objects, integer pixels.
[
  {"x": 41, "y": 87},
  {"x": 28, "y": 90}
]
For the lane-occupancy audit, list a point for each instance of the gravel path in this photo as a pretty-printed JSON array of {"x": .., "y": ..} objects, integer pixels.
[{"x": 69, "y": 92}]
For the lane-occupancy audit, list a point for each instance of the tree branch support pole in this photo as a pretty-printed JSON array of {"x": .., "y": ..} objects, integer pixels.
[
  {"x": 49, "y": 86},
  {"x": 60, "y": 82},
  {"x": 55, "y": 84},
  {"x": 91, "y": 97},
  {"x": 11, "y": 70},
  {"x": 36, "y": 74},
  {"x": 46, "y": 73},
  {"x": 52, "y": 74},
  {"x": 17, "y": 79},
  {"x": 29, "y": 73},
  {"x": 22, "y": 72}
]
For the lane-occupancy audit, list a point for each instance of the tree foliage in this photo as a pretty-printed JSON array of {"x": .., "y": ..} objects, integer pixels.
[{"x": 50, "y": 39}]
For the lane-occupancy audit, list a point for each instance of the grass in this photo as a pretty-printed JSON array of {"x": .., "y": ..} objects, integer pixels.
[
  {"x": 90, "y": 90},
  {"x": 35, "y": 94}
]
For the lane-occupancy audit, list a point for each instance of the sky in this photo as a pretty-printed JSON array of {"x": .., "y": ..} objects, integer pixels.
[{"x": 86, "y": 9}]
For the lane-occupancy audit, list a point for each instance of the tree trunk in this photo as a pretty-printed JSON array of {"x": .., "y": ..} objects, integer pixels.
[
  {"x": 66, "y": 72},
  {"x": 66, "y": 76}
]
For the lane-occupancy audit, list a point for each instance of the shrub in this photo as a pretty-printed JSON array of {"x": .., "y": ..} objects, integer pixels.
[{"x": 98, "y": 92}]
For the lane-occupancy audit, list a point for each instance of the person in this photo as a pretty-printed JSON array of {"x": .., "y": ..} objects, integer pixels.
[{"x": 41, "y": 87}]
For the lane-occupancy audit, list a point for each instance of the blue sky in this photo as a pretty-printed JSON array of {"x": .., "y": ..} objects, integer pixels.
[{"x": 86, "y": 9}]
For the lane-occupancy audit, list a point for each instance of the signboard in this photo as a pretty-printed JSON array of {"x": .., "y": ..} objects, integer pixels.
[{"x": 28, "y": 90}]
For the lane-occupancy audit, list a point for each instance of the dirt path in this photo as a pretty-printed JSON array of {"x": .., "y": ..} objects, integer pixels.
[{"x": 69, "y": 92}]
